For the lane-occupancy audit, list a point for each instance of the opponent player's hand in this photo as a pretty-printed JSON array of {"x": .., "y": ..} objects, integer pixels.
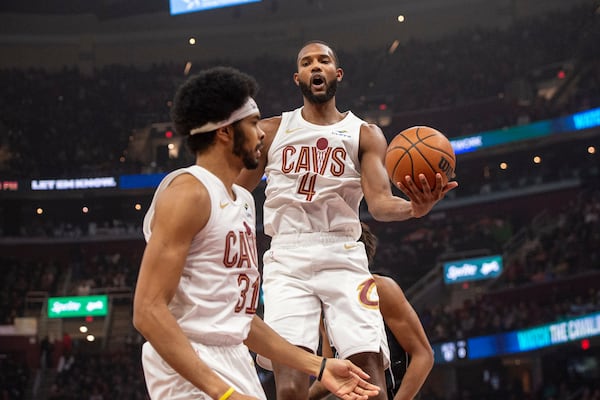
[
  {"x": 422, "y": 201},
  {"x": 347, "y": 381}
]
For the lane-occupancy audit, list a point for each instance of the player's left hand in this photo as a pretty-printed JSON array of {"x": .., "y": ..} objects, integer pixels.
[
  {"x": 347, "y": 381},
  {"x": 422, "y": 201}
]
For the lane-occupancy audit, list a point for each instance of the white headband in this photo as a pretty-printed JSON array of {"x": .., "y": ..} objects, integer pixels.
[{"x": 247, "y": 109}]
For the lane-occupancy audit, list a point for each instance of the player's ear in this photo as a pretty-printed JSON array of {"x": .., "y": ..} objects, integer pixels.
[
  {"x": 225, "y": 131},
  {"x": 340, "y": 74},
  {"x": 296, "y": 80}
]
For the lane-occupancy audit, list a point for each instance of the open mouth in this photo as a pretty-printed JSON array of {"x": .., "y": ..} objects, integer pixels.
[{"x": 317, "y": 82}]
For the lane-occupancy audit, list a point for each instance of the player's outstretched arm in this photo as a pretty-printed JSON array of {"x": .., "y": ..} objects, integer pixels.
[
  {"x": 340, "y": 377},
  {"x": 406, "y": 327},
  {"x": 317, "y": 391},
  {"x": 383, "y": 205}
]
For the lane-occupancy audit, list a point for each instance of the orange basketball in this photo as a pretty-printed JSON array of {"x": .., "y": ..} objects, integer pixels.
[{"x": 420, "y": 150}]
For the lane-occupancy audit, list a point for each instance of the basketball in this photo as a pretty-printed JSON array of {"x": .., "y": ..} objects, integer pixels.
[{"x": 420, "y": 150}]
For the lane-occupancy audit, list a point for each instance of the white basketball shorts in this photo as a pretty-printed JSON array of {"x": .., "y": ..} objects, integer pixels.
[
  {"x": 233, "y": 364},
  {"x": 307, "y": 273}
]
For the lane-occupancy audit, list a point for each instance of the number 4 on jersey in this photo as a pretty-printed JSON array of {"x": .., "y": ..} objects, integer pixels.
[{"x": 307, "y": 185}]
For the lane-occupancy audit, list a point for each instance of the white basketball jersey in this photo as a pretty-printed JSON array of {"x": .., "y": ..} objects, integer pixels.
[
  {"x": 313, "y": 178},
  {"x": 217, "y": 295}
]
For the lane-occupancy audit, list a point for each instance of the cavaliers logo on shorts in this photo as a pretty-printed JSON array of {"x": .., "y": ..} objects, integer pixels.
[{"x": 367, "y": 294}]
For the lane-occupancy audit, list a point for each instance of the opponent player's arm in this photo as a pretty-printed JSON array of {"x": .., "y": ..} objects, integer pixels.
[
  {"x": 403, "y": 321},
  {"x": 383, "y": 205},
  {"x": 250, "y": 178},
  {"x": 177, "y": 219},
  {"x": 340, "y": 377}
]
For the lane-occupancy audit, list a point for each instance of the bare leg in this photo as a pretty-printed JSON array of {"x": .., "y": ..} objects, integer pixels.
[
  {"x": 290, "y": 384},
  {"x": 372, "y": 364}
]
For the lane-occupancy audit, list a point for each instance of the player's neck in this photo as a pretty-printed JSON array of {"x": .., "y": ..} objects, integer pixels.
[
  {"x": 224, "y": 168},
  {"x": 322, "y": 114}
]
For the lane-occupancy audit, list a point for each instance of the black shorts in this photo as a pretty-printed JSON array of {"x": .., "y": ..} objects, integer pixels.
[{"x": 395, "y": 373}]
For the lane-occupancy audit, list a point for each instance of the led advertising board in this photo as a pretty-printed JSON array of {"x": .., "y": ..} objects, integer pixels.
[
  {"x": 514, "y": 342},
  {"x": 570, "y": 123},
  {"x": 190, "y": 6},
  {"x": 472, "y": 269},
  {"x": 78, "y": 306},
  {"x": 105, "y": 182}
]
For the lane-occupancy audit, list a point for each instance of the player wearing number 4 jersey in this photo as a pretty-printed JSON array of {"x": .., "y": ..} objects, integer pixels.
[
  {"x": 197, "y": 291},
  {"x": 319, "y": 163}
]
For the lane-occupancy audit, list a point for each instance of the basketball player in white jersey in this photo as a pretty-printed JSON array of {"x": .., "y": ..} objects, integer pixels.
[
  {"x": 198, "y": 285},
  {"x": 406, "y": 337},
  {"x": 319, "y": 164}
]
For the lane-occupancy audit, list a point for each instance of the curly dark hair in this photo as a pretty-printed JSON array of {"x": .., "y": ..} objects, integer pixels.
[
  {"x": 209, "y": 96},
  {"x": 370, "y": 241}
]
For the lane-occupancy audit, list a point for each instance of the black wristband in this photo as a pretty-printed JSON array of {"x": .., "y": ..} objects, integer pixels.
[{"x": 322, "y": 368}]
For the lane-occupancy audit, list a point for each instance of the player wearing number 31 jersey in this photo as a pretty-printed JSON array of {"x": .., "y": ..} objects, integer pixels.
[{"x": 223, "y": 257}]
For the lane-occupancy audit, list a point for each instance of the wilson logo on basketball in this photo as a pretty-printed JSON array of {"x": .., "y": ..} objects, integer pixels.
[{"x": 445, "y": 166}]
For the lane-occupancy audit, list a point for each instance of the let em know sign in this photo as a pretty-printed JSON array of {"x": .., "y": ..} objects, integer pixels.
[{"x": 78, "y": 306}]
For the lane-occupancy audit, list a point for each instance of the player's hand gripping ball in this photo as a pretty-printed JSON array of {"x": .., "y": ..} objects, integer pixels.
[{"x": 420, "y": 150}]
